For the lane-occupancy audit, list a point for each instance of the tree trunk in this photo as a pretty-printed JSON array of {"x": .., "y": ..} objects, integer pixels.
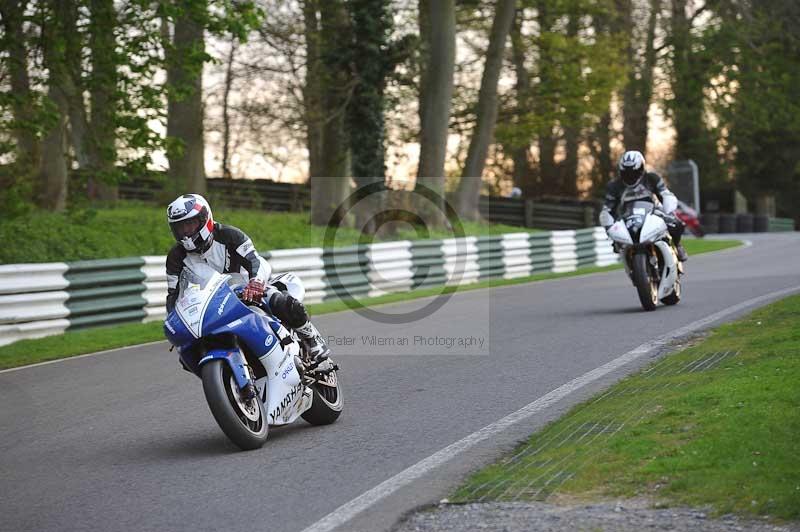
[
  {"x": 469, "y": 188},
  {"x": 331, "y": 187},
  {"x": 605, "y": 165},
  {"x": 185, "y": 100},
  {"x": 371, "y": 22},
  {"x": 437, "y": 22},
  {"x": 226, "y": 119},
  {"x": 14, "y": 43},
  {"x": 103, "y": 100},
  {"x": 639, "y": 89},
  {"x": 523, "y": 176},
  {"x": 53, "y": 171},
  {"x": 572, "y": 125},
  {"x": 57, "y": 25},
  {"x": 312, "y": 96},
  {"x": 548, "y": 176},
  {"x": 687, "y": 91}
]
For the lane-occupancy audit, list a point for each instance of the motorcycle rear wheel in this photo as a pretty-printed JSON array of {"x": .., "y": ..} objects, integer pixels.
[
  {"x": 645, "y": 284},
  {"x": 244, "y": 423},
  {"x": 327, "y": 403}
]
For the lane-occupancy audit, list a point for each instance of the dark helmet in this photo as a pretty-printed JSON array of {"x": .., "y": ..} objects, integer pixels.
[
  {"x": 191, "y": 222},
  {"x": 631, "y": 168}
]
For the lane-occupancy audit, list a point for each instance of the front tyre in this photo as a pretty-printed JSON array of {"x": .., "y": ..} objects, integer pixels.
[
  {"x": 327, "y": 404},
  {"x": 243, "y": 422},
  {"x": 645, "y": 284}
]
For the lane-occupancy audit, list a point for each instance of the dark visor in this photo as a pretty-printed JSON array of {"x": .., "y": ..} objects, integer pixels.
[
  {"x": 630, "y": 175},
  {"x": 186, "y": 228}
]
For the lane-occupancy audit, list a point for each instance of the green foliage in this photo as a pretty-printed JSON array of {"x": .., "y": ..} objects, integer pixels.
[
  {"x": 116, "y": 47},
  {"x": 576, "y": 71},
  {"x": 135, "y": 230},
  {"x": 758, "y": 51}
]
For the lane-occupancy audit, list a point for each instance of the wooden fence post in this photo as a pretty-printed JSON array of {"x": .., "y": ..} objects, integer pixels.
[
  {"x": 588, "y": 216},
  {"x": 528, "y": 213}
]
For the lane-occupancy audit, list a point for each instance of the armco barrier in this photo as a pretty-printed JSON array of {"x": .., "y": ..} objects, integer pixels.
[
  {"x": 780, "y": 224},
  {"x": 44, "y": 299}
]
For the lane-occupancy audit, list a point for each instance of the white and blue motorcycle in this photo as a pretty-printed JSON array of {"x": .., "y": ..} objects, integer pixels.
[
  {"x": 642, "y": 238},
  {"x": 255, "y": 372}
]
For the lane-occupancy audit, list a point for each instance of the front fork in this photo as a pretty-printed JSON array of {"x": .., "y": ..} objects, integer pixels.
[{"x": 242, "y": 373}]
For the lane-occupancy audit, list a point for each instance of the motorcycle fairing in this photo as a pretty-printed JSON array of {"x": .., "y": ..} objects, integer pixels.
[
  {"x": 654, "y": 228},
  {"x": 619, "y": 233},
  {"x": 236, "y": 361},
  {"x": 669, "y": 270},
  {"x": 219, "y": 314}
]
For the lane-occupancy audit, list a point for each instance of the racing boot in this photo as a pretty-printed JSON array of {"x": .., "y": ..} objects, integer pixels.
[
  {"x": 316, "y": 347},
  {"x": 682, "y": 255}
]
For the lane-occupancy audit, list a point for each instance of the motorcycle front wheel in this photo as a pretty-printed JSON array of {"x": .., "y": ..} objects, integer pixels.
[
  {"x": 646, "y": 285},
  {"x": 244, "y": 422}
]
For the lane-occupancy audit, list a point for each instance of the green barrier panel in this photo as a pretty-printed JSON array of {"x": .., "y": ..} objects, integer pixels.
[
  {"x": 541, "y": 252},
  {"x": 427, "y": 263},
  {"x": 92, "y": 273},
  {"x": 105, "y": 291},
  {"x": 346, "y": 272},
  {"x": 585, "y": 247},
  {"x": 106, "y": 318},
  {"x": 780, "y": 225},
  {"x": 490, "y": 257}
]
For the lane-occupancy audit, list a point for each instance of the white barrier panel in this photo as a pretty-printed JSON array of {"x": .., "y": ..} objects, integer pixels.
[
  {"x": 307, "y": 264},
  {"x": 564, "y": 251},
  {"x": 461, "y": 260},
  {"x": 36, "y": 329},
  {"x": 26, "y": 278},
  {"x": 603, "y": 248},
  {"x": 21, "y": 308},
  {"x": 516, "y": 255},
  {"x": 390, "y": 267}
]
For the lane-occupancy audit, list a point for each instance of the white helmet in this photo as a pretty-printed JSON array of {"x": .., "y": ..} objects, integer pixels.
[
  {"x": 631, "y": 168},
  {"x": 190, "y": 220}
]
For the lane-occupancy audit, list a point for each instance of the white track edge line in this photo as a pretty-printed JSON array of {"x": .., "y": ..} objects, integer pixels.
[{"x": 346, "y": 512}]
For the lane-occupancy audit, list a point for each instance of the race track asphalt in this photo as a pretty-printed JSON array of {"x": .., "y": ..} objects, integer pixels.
[{"x": 123, "y": 441}]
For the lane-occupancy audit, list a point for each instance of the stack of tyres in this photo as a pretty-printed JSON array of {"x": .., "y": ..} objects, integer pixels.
[
  {"x": 744, "y": 223},
  {"x": 760, "y": 223},
  {"x": 727, "y": 223},
  {"x": 710, "y": 222}
]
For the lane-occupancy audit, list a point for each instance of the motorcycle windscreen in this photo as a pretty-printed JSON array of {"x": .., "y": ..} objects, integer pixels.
[
  {"x": 634, "y": 214},
  {"x": 196, "y": 288}
]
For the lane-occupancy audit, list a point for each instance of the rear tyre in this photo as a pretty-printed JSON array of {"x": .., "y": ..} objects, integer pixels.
[
  {"x": 645, "y": 284},
  {"x": 327, "y": 404},
  {"x": 675, "y": 297},
  {"x": 243, "y": 422}
]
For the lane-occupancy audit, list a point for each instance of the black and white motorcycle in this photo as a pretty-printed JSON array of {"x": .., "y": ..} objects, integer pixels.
[{"x": 642, "y": 238}]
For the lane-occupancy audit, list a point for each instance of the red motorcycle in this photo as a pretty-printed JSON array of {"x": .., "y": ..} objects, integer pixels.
[{"x": 689, "y": 217}]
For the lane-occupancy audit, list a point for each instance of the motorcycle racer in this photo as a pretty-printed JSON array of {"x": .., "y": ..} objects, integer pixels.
[
  {"x": 634, "y": 183},
  {"x": 229, "y": 250}
]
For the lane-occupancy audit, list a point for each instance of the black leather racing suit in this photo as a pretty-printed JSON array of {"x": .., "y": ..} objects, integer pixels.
[
  {"x": 618, "y": 194},
  {"x": 232, "y": 252}
]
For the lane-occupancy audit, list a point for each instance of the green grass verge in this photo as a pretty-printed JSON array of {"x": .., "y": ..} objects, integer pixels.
[
  {"x": 133, "y": 229},
  {"x": 725, "y": 437},
  {"x": 90, "y": 340}
]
